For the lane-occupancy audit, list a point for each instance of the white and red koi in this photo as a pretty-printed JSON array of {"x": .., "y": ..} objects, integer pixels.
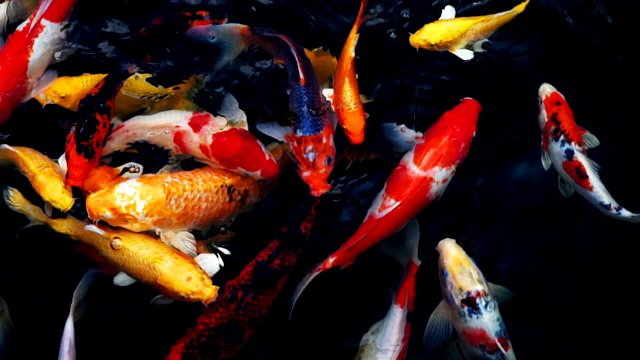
[
  {"x": 345, "y": 95},
  {"x": 420, "y": 178},
  {"x": 210, "y": 139},
  {"x": 470, "y": 306},
  {"x": 389, "y": 337},
  {"x": 29, "y": 51},
  {"x": 310, "y": 135},
  {"x": 565, "y": 144}
]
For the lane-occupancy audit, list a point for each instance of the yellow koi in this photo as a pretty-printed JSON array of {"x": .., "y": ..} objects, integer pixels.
[
  {"x": 138, "y": 96},
  {"x": 67, "y": 91},
  {"x": 45, "y": 175},
  {"x": 456, "y": 34},
  {"x": 138, "y": 255}
]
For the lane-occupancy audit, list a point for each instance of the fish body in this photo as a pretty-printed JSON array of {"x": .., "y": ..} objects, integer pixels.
[
  {"x": 389, "y": 338},
  {"x": 138, "y": 95},
  {"x": 346, "y": 95},
  {"x": 45, "y": 175},
  {"x": 565, "y": 144},
  {"x": 68, "y": 91},
  {"x": 210, "y": 139},
  {"x": 455, "y": 34},
  {"x": 470, "y": 306},
  {"x": 86, "y": 138},
  {"x": 310, "y": 135},
  {"x": 28, "y": 53},
  {"x": 420, "y": 178},
  {"x": 139, "y": 255}
]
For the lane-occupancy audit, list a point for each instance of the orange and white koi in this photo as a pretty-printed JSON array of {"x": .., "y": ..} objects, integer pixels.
[
  {"x": 68, "y": 91},
  {"x": 310, "y": 135},
  {"x": 456, "y": 34},
  {"x": 565, "y": 144},
  {"x": 420, "y": 178},
  {"x": 470, "y": 306},
  {"x": 44, "y": 174},
  {"x": 29, "y": 51},
  {"x": 389, "y": 337},
  {"x": 345, "y": 95},
  {"x": 172, "y": 204},
  {"x": 138, "y": 255}
]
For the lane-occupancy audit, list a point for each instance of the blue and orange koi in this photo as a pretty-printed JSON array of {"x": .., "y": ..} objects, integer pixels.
[
  {"x": 87, "y": 137},
  {"x": 310, "y": 135},
  {"x": 247, "y": 298},
  {"x": 29, "y": 51},
  {"x": 565, "y": 144},
  {"x": 420, "y": 178}
]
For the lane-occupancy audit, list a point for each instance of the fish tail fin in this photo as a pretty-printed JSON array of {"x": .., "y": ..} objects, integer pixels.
[
  {"x": 68, "y": 343},
  {"x": 407, "y": 250},
  {"x": 520, "y": 7},
  {"x": 361, "y": 18},
  {"x": 18, "y": 203},
  {"x": 232, "y": 39},
  {"x": 230, "y": 109},
  {"x": 305, "y": 282}
]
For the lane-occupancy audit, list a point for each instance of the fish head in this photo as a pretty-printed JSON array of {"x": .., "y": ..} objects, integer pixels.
[
  {"x": 58, "y": 193},
  {"x": 460, "y": 279},
  {"x": 354, "y": 126},
  {"x": 314, "y": 158},
  {"x": 429, "y": 37},
  {"x": 185, "y": 281},
  {"x": 550, "y": 103}
]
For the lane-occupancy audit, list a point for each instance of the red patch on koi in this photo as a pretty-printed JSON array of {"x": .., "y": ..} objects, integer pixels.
[
  {"x": 179, "y": 140},
  {"x": 59, "y": 10},
  {"x": 578, "y": 173},
  {"x": 205, "y": 150},
  {"x": 198, "y": 120},
  {"x": 479, "y": 338},
  {"x": 238, "y": 148}
]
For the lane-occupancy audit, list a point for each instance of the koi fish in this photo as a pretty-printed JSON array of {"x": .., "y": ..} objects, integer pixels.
[
  {"x": 86, "y": 138},
  {"x": 68, "y": 91},
  {"x": 138, "y": 96},
  {"x": 172, "y": 204},
  {"x": 310, "y": 135},
  {"x": 45, "y": 175},
  {"x": 470, "y": 306},
  {"x": 456, "y": 34},
  {"x": 345, "y": 95},
  {"x": 6, "y": 326},
  {"x": 68, "y": 342},
  {"x": 247, "y": 298},
  {"x": 29, "y": 51},
  {"x": 12, "y": 11},
  {"x": 389, "y": 337},
  {"x": 324, "y": 65},
  {"x": 565, "y": 144},
  {"x": 426, "y": 169},
  {"x": 140, "y": 256}
]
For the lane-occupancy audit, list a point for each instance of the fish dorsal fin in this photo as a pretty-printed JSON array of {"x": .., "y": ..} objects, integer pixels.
[
  {"x": 590, "y": 140},
  {"x": 565, "y": 188},
  {"x": 439, "y": 328},
  {"x": 499, "y": 293},
  {"x": 448, "y": 13}
]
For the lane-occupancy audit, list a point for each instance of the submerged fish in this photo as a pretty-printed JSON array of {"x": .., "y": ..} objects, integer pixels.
[
  {"x": 470, "y": 306},
  {"x": 29, "y": 51},
  {"x": 45, "y": 175},
  {"x": 324, "y": 65},
  {"x": 68, "y": 342},
  {"x": 565, "y": 144},
  {"x": 172, "y": 204},
  {"x": 389, "y": 337},
  {"x": 420, "y": 178},
  {"x": 456, "y": 34},
  {"x": 68, "y": 91},
  {"x": 138, "y": 255},
  {"x": 310, "y": 134},
  {"x": 6, "y": 327}
]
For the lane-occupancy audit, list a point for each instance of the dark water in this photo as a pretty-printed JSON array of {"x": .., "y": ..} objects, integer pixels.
[{"x": 573, "y": 271}]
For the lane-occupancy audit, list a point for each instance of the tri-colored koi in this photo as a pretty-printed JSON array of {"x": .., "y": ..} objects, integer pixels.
[
  {"x": 565, "y": 144},
  {"x": 310, "y": 135},
  {"x": 29, "y": 51},
  {"x": 420, "y": 178}
]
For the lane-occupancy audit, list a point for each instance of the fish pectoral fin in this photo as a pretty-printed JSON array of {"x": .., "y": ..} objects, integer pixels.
[
  {"x": 477, "y": 46},
  {"x": 48, "y": 209},
  {"x": 448, "y": 12},
  {"x": 161, "y": 300},
  {"x": 439, "y": 329},
  {"x": 41, "y": 84},
  {"x": 210, "y": 263},
  {"x": 546, "y": 160},
  {"x": 590, "y": 140},
  {"x": 565, "y": 188},
  {"x": 464, "y": 54},
  {"x": 123, "y": 279},
  {"x": 181, "y": 240},
  {"x": 499, "y": 293},
  {"x": 274, "y": 130}
]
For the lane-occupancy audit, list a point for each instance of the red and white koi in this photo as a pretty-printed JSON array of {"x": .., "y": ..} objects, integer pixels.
[
  {"x": 420, "y": 178},
  {"x": 470, "y": 306},
  {"x": 345, "y": 95},
  {"x": 565, "y": 144},
  {"x": 213, "y": 140},
  {"x": 310, "y": 135},
  {"x": 389, "y": 337},
  {"x": 29, "y": 51}
]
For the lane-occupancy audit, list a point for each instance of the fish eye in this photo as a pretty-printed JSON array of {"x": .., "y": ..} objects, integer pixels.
[
  {"x": 329, "y": 160},
  {"x": 182, "y": 297},
  {"x": 212, "y": 36}
]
